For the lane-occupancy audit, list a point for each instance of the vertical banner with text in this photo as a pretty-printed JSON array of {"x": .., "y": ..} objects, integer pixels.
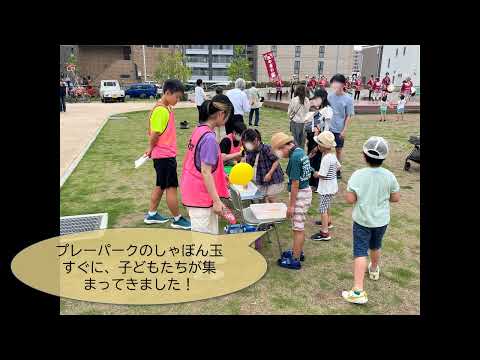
[{"x": 271, "y": 66}]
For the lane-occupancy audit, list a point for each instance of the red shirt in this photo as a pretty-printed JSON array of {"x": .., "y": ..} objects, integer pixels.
[
  {"x": 377, "y": 85},
  {"x": 358, "y": 84},
  {"x": 406, "y": 87},
  {"x": 386, "y": 81},
  {"x": 323, "y": 83},
  {"x": 371, "y": 83},
  {"x": 312, "y": 83}
]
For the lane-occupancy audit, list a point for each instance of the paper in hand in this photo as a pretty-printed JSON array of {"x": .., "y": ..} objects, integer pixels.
[{"x": 140, "y": 161}]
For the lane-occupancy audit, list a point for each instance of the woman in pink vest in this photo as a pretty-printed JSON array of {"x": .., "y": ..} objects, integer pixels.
[{"x": 203, "y": 182}]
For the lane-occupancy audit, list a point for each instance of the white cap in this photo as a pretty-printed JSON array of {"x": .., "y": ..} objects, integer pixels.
[{"x": 376, "y": 147}]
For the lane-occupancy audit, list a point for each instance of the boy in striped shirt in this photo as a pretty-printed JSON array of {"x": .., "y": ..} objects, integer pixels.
[{"x": 327, "y": 184}]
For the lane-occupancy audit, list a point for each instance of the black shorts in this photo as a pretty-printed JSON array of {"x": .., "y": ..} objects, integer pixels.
[
  {"x": 166, "y": 170},
  {"x": 338, "y": 140}
]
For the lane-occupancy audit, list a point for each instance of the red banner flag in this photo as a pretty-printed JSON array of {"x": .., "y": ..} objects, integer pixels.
[{"x": 271, "y": 66}]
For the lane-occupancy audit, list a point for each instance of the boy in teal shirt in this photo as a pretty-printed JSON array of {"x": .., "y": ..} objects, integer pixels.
[
  {"x": 298, "y": 171},
  {"x": 371, "y": 189}
]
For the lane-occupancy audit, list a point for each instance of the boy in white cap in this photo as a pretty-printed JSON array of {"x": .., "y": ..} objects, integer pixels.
[
  {"x": 327, "y": 183},
  {"x": 371, "y": 189}
]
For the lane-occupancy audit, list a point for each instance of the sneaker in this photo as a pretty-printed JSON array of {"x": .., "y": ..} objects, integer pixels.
[
  {"x": 374, "y": 275},
  {"x": 155, "y": 219},
  {"x": 330, "y": 225},
  {"x": 289, "y": 263},
  {"x": 182, "y": 223},
  {"x": 355, "y": 296},
  {"x": 321, "y": 236},
  {"x": 289, "y": 253},
  {"x": 339, "y": 174}
]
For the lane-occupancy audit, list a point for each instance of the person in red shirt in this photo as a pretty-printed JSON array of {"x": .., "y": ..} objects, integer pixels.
[
  {"x": 385, "y": 83},
  {"x": 406, "y": 88},
  {"x": 312, "y": 83},
  {"x": 370, "y": 85},
  {"x": 358, "y": 86},
  {"x": 279, "y": 85},
  {"x": 323, "y": 82}
]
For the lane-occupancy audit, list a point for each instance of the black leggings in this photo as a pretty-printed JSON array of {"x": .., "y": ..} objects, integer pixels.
[
  {"x": 357, "y": 95},
  {"x": 276, "y": 95},
  {"x": 314, "y": 161}
]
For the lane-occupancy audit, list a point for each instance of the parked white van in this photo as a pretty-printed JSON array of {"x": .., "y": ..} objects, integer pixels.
[{"x": 110, "y": 91}]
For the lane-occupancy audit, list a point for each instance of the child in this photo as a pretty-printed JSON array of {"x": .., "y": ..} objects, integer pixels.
[
  {"x": 383, "y": 109},
  {"x": 371, "y": 189},
  {"x": 268, "y": 174},
  {"x": 401, "y": 107},
  {"x": 231, "y": 146},
  {"x": 203, "y": 182},
  {"x": 327, "y": 184},
  {"x": 298, "y": 171},
  {"x": 163, "y": 151}
]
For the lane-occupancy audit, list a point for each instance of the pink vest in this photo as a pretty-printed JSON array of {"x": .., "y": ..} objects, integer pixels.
[
  {"x": 192, "y": 187},
  {"x": 166, "y": 146},
  {"x": 234, "y": 149}
]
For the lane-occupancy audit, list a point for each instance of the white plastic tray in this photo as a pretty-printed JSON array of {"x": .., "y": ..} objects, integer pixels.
[{"x": 269, "y": 211}]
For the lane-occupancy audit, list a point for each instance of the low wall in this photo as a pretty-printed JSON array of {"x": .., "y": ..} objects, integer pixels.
[{"x": 359, "y": 109}]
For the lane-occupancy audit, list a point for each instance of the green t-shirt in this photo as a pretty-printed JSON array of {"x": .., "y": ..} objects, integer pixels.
[
  {"x": 159, "y": 119},
  {"x": 373, "y": 187},
  {"x": 298, "y": 168}
]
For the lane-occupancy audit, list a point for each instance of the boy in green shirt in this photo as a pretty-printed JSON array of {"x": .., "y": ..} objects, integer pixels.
[
  {"x": 298, "y": 171},
  {"x": 371, "y": 189}
]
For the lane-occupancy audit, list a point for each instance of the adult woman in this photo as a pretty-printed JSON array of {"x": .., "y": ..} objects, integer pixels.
[
  {"x": 406, "y": 88},
  {"x": 297, "y": 110},
  {"x": 278, "y": 88},
  {"x": 318, "y": 123},
  {"x": 203, "y": 181}
]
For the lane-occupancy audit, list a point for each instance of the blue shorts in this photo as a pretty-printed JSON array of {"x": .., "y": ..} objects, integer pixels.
[
  {"x": 338, "y": 140},
  {"x": 400, "y": 110},
  {"x": 365, "y": 238}
]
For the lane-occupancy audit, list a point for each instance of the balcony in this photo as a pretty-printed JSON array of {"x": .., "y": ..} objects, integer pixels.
[
  {"x": 190, "y": 51},
  {"x": 222, "y": 51},
  {"x": 220, "y": 65},
  {"x": 197, "y": 64}
]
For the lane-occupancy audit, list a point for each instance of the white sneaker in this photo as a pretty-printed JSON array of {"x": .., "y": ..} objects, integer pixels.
[
  {"x": 355, "y": 297},
  {"x": 374, "y": 275}
]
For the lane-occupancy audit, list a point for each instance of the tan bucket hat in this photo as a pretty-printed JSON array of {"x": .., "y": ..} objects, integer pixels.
[
  {"x": 325, "y": 138},
  {"x": 279, "y": 139}
]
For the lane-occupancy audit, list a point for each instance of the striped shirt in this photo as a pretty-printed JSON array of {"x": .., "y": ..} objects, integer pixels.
[{"x": 328, "y": 169}]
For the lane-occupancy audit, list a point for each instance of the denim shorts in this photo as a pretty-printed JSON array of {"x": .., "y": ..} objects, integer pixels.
[
  {"x": 365, "y": 238},
  {"x": 338, "y": 140},
  {"x": 400, "y": 110}
]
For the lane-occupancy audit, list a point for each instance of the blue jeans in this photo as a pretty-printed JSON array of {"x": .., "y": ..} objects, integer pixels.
[
  {"x": 257, "y": 114},
  {"x": 365, "y": 238},
  {"x": 62, "y": 104}
]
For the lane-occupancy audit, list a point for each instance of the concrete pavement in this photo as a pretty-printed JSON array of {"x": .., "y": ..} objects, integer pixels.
[{"x": 82, "y": 122}]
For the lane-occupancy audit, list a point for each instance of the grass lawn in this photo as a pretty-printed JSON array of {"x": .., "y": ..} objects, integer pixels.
[{"x": 106, "y": 181}]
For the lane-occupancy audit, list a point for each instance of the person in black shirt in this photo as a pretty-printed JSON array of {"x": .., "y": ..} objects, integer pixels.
[{"x": 63, "y": 92}]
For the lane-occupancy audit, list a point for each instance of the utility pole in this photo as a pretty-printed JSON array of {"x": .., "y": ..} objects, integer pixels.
[
  {"x": 336, "y": 62},
  {"x": 144, "y": 64}
]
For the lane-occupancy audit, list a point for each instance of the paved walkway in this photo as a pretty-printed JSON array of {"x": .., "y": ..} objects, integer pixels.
[{"x": 82, "y": 122}]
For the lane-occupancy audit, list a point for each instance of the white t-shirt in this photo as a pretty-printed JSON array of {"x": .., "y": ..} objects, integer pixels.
[
  {"x": 328, "y": 168},
  {"x": 401, "y": 104},
  {"x": 199, "y": 95}
]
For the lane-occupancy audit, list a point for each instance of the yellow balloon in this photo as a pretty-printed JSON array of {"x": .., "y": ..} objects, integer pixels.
[{"x": 241, "y": 174}]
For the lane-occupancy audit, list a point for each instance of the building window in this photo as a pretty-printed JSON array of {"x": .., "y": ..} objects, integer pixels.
[
  {"x": 124, "y": 76},
  {"x": 219, "y": 72},
  {"x": 222, "y": 58},
  {"x": 126, "y": 52},
  {"x": 321, "y": 52},
  {"x": 197, "y": 46},
  {"x": 197, "y": 58},
  {"x": 222, "y": 47},
  {"x": 388, "y": 66},
  {"x": 199, "y": 71},
  {"x": 296, "y": 67},
  {"x": 274, "y": 50},
  {"x": 396, "y": 53},
  {"x": 298, "y": 49},
  {"x": 404, "y": 50},
  {"x": 320, "y": 67}
]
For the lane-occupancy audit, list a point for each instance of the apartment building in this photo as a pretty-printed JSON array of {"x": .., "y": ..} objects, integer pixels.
[
  {"x": 303, "y": 60},
  {"x": 401, "y": 61},
  {"x": 208, "y": 62}
]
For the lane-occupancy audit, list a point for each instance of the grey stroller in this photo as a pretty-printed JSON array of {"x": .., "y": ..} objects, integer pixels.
[{"x": 414, "y": 155}]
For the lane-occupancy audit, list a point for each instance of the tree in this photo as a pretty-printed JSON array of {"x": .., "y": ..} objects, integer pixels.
[
  {"x": 172, "y": 65},
  {"x": 240, "y": 66}
]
